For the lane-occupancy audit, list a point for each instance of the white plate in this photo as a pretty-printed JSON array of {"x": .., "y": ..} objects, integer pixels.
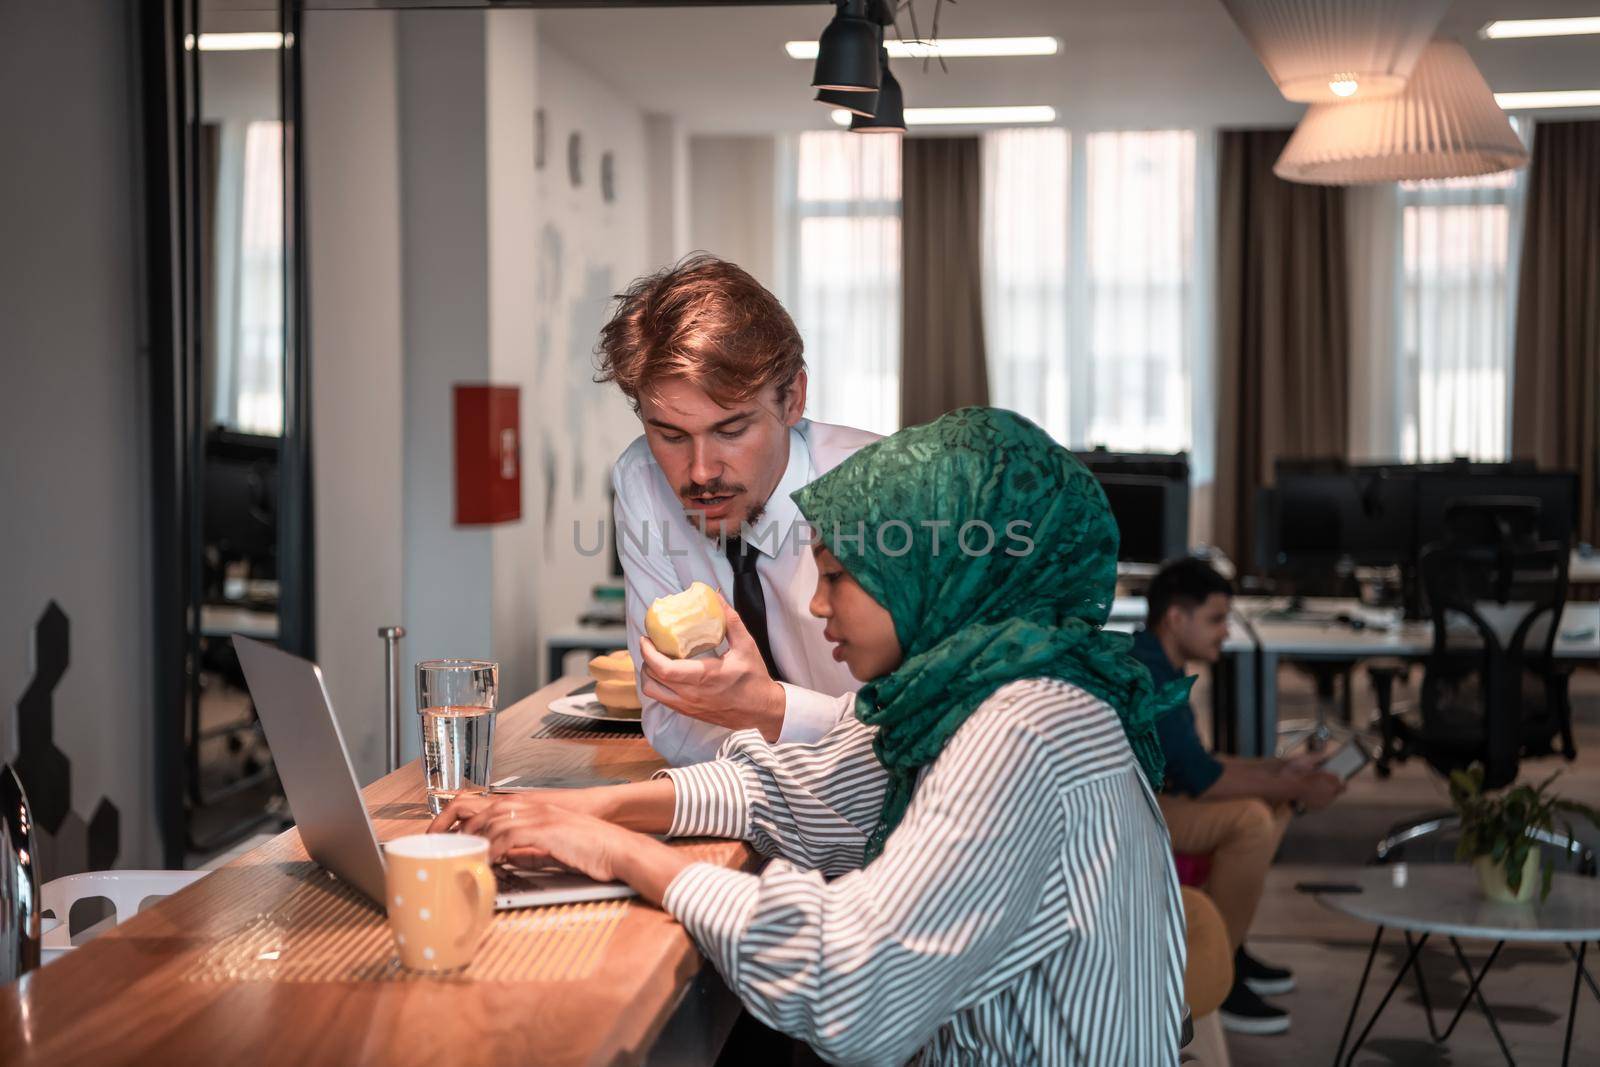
[{"x": 587, "y": 706}]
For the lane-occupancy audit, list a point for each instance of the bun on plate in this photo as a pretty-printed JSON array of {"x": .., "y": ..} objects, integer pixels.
[{"x": 616, "y": 683}]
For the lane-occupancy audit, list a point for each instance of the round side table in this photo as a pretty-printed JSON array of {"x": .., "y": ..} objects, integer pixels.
[{"x": 1426, "y": 900}]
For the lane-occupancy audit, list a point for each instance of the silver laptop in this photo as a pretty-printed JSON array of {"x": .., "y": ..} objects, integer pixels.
[{"x": 314, "y": 767}]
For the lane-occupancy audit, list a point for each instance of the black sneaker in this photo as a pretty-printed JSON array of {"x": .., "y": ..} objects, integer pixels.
[
  {"x": 1262, "y": 978},
  {"x": 1246, "y": 1013}
]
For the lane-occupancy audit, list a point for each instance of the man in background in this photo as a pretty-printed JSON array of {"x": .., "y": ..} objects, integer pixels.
[
  {"x": 1231, "y": 808},
  {"x": 713, "y": 365}
]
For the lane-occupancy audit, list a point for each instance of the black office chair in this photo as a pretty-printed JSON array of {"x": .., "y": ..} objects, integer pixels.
[{"x": 1492, "y": 692}]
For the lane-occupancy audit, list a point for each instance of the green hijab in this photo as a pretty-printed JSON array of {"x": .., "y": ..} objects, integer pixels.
[{"x": 995, "y": 553}]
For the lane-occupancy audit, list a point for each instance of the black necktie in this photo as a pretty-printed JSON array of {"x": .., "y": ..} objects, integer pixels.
[{"x": 749, "y": 601}]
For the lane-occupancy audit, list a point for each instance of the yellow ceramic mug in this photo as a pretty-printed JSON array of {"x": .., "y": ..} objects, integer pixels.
[{"x": 441, "y": 897}]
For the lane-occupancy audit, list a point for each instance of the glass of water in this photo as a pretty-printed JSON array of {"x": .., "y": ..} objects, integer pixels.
[{"x": 456, "y": 706}]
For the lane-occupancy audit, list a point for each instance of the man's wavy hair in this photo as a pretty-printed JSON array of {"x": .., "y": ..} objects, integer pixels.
[{"x": 705, "y": 321}]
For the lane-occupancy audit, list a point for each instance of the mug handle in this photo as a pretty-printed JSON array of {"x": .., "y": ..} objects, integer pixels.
[{"x": 478, "y": 881}]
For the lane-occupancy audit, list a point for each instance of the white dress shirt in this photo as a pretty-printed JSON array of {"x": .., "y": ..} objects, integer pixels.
[
  {"x": 1025, "y": 910},
  {"x": 663, "y": 552}
]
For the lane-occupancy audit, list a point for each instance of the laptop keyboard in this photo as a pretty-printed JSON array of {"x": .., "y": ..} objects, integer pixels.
[{"x": 520, "y": 880}]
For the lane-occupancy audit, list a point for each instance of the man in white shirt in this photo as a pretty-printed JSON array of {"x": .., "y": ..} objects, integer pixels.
[{"x": 713, "y": 365}]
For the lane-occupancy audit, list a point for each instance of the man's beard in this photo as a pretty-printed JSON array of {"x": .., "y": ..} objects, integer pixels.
[{"x": 717, "y": 487}]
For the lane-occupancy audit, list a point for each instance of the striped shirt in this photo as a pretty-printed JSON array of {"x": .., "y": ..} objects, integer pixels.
[{"x": 1025, "y": 910}]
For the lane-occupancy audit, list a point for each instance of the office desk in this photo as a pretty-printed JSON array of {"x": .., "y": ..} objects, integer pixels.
[
  {"x": 1301, "y": 639},
  {"x": 180, "y": 983},
  {"x": 1584, "y": 570}
]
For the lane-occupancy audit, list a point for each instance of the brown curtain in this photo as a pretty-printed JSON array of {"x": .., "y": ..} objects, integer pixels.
[
  {"x": 1555, "y": 387},
  {"x": 1282, "y": 328},
  {"x": 943, "y": 364}
]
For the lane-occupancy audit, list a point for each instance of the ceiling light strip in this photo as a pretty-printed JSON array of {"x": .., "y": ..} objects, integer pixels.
[
  {"x": 968, "y": 116},
  {"x": 241, "y": 42},
  {"x": 1506, "y": 29},
  {"x": 949, "y": 48},
  {"x": 1552, "y": 98}
]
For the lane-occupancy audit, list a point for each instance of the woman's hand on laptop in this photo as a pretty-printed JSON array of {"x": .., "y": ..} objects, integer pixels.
[
  {"x": 535, "y": 834},
  {"x": 468, "y": 813},
  {"x": 732, "y": 690},
  {"x": 645, "y": 806}
]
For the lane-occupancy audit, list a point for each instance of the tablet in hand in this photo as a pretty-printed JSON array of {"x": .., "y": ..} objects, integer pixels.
[{"x": 1347, "y": 762}]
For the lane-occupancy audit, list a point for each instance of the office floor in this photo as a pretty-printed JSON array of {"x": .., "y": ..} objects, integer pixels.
[{"x": 1529, "y": 989}]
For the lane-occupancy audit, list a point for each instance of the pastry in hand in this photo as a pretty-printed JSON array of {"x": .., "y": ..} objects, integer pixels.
[{"x": 687, "y": 623}]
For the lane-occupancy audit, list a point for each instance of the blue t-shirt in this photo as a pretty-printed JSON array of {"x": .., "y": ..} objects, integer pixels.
[{"x": 1190, "y": 768}]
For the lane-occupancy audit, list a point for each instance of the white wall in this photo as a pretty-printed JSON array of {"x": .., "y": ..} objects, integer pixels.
[
  {"x": 588, "y": 250},
  {"x": 667, "y": 192},
  {"x": 449, "y": 578},
  {"x": 510, "y": 85},
  {"x": 357, "y": 381},
  {"x": 440, "y": 254},
  {"x": 733, "y": 198},
  {"x": 75, "y": 478}
]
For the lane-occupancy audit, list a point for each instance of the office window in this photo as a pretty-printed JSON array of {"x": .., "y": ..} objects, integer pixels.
[
  {"x": 1140, "y": 219},
  {"x": 1089, "y": 283},
  {"x": 1456, "y": 302},
  {"x": 844, "y": 273},
  {"x": 249, "y": 280},
  {"x": 1027, "y": 202}
]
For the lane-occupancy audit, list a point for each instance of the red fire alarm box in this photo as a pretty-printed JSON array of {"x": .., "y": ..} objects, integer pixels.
[{"x": 488, "y": 454}]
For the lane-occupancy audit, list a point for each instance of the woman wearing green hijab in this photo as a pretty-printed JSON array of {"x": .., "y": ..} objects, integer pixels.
[{"x": 1001, "y": 882}]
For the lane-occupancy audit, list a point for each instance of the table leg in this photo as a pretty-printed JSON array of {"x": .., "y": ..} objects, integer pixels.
[
  {"x": 1225, "y": 706},
  {"x": 1572, "y": 1008},
  {"x": 1473, "y": 992},
  {"x": 1360, "y": 990},
  {"x": 1247, "y": 699},
  {"x": 1411, "y": 959},
  {"x": 1266, "y": 732},
  {"x": 1587, "y": 977}
]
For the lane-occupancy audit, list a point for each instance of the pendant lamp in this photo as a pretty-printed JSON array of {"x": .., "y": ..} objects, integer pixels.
[
  {"x": 1321, "y": 51},
  {"x": 847, "y": 51},
  {"x": 889, "y": 113},
  {"x": 1444, "y": 125}
]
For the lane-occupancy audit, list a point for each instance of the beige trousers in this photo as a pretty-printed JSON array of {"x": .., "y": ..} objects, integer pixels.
[{"x": 1241, "y": 836}]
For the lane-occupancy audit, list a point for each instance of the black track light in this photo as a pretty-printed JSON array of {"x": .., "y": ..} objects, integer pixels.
[
  {"x": 890, "y": 114},
  {"x": 857, "y": 103},
  {"x": 847, "y": 52}
]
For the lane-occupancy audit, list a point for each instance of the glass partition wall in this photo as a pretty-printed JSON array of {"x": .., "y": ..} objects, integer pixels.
[{"x": 229, "y": 379}]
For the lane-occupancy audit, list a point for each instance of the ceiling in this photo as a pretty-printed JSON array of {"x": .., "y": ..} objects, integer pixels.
[{"x": 1122, "y": 64}]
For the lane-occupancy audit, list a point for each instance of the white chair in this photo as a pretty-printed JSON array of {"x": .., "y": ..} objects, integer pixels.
[{"x": 128, "y": 892}]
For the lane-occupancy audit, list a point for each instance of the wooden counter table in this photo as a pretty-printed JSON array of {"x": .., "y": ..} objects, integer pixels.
[{"x": 269, "y": 960}]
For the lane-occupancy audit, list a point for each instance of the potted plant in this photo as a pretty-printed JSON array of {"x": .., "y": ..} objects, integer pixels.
[{"x": 1498, "y": 833}]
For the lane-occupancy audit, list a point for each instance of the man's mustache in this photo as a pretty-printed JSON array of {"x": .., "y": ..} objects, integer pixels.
[{"x": 715, "y": 487}]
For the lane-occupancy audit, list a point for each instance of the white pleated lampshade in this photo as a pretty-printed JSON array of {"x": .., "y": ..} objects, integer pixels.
[
  {"x": 1444, "y": 125},
  {"x": 1320, "y": 51}
]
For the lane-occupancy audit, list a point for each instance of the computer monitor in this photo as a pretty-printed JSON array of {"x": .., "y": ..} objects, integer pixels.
[
  {"x": 1556, "y": 492},
  {"x": 1173, "y": 465},
  {"x": 1314, "y": 520},
  {"x": 1152, "y": 514},
  {"x": 240, "y": 499},
  {"x": 1284, "y": 466}
]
